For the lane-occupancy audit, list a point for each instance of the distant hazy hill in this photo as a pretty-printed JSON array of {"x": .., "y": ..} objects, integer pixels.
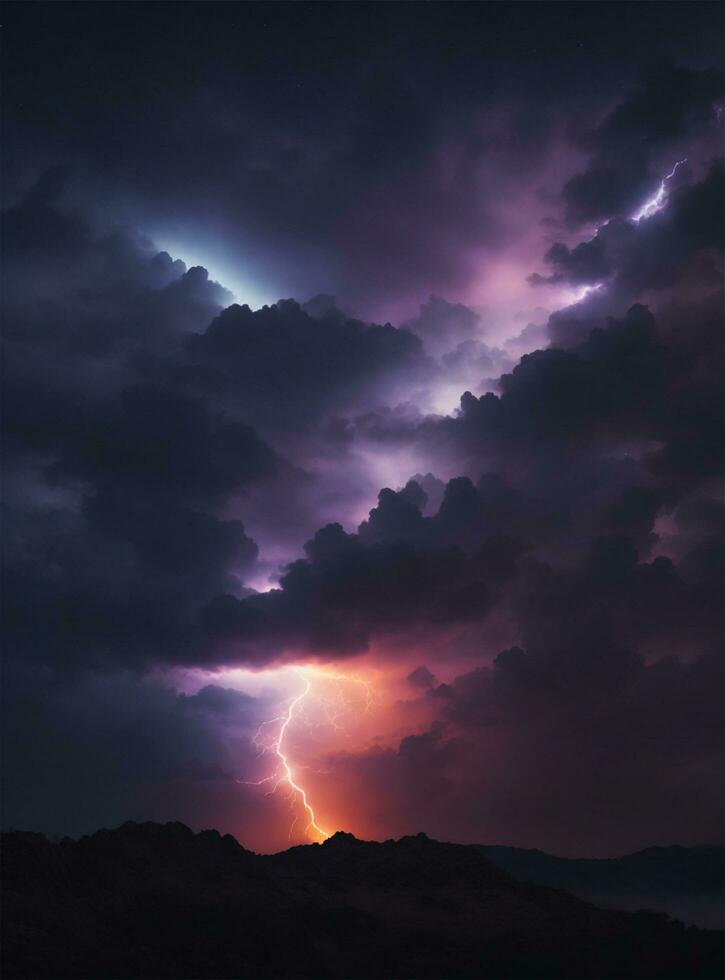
[
  {"x": 687, "y": 883},
  {"x": 159, "y": 901}
]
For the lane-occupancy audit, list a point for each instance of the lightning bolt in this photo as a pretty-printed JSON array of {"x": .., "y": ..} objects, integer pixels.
[
  {"x": 651, "y": 206},
  {"x": 659, "y": 198},
  {"x": 284, "y": 773},
  {"x": 579, "y": 294}
]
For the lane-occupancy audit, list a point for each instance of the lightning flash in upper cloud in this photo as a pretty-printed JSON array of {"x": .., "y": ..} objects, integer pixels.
[{"x": 658, "y": 200}]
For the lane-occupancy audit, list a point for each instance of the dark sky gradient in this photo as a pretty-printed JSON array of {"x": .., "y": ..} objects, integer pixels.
[{"x": 473, "y": 457}]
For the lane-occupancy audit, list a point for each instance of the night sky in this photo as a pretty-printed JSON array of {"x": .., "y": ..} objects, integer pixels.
[{"x": 362, "y": 402}]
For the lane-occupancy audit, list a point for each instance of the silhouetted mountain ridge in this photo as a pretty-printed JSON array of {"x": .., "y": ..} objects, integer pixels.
[
  {"x": 685, "y": 882},
  {"x": 150, "y": 900}
]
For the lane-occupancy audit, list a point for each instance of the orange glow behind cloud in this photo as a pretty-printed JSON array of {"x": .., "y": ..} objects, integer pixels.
[{"x": 320, "y": 713}]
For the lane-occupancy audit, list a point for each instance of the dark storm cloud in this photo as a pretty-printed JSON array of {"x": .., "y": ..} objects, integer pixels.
[
  {"x": 672, "y": 105},
  {"x": 117, "y": 582},
  {"x": 345, "y": 593},
  {"x": 637, "y": 379},
  {"x": 129, "y": 453},
  {"x": 337, "y": 149},
  {"x": 109, "y": 306},
  {"x": 600, "y": 609},
  {"x": 119, "y": 287},
  {"x": 528, "y": 756},
  {"x": 573, "y": 733},
  {"x": 154, "y": 461},
  {"x": 639, "y": 388},
  {"x": 586, "y": 263},
  {"x": 111, "y": 483},
  {"x": 595, "y": 441},
  {"x": 689, "y": 229},
  {"x": 278, "y": 359},
  {"x": 160, "y": 441},
  {"x": 403, "y": 569},
  {"x": 682, "y": 243},
  {"x": 591, "y": 715},
  {"x": 616, "y": 647},
  {"x": 92, "y": 752}
]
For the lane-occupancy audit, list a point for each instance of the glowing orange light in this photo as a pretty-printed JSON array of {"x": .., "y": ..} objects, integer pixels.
[{"x": 284, "y": 773}]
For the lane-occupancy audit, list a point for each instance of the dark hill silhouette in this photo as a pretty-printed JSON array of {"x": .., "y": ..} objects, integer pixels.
[
  {"x": 687, "y": 883},
  {"x": 148, "y": 900}
]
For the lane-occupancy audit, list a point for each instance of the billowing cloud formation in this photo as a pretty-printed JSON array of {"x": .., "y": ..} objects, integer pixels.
[
  {"x": 510, "y": 515},
  {"x": 655, "y": 252},
  {"x": 278, "y": 359},
  {"x": 370, "y": 153},
  {"x": 673, "y": 106}
]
